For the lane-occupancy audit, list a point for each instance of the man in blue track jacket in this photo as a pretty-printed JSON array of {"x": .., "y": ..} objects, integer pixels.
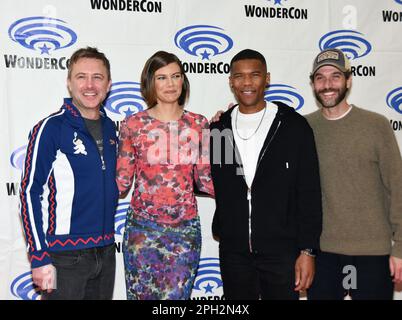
[{"x": 68, "y": 193}]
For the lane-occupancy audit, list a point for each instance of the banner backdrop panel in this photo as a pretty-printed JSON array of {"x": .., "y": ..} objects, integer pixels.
[
  {"x": 382, "y": 95},
  {"x": 380, "y": 19},
  {"x": 126, "y": 25},
  {"x": 205, "y": 35},
  {"x": 290, "y": 26}
]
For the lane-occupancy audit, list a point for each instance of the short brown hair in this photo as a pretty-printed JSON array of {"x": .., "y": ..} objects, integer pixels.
[
  {"x": 88, "y": 52},
  {"x": 159, "y": 60}
]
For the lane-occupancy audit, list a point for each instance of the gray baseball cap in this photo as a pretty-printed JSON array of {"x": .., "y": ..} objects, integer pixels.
[{"x": 331, "y": 57}]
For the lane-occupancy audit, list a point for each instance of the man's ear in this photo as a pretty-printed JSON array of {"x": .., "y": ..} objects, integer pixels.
[
  {"x": 268, "y": 79},
  {"x": 349, "y": 82},
  {"x": 68, "y": 85}
]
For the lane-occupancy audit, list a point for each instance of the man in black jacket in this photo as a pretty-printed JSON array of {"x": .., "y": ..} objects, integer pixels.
[{"x": 267, "y": 187}]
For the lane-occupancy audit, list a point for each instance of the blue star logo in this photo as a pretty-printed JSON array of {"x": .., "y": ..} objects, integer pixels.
[
  {"x": 208, "y": 288},
  {"x": 44, "y": 49},
  {"x": 128, "y": 112},
  {"x": 205, "y": 55},
  {"x": 279, "y": 2}
]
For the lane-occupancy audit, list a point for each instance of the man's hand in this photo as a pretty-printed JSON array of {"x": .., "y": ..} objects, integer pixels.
[
  {"x": 217, "y": 115},
  {"x": 304, "y": 272},
  {"x": 395, "y": 266},
  {"x": 45, "y": 277}
]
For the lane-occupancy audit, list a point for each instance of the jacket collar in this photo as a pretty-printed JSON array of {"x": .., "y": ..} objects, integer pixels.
[{"x": 74, "y": 115}]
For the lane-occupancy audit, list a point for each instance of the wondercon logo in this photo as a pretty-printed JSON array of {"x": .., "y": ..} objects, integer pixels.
[
  {"x": 120, "y": 217},
  {"x": 208, "y": 276},
  {"x": 394, "y": 99},
  {"x": 350, "y": 42},
  {"x": 125, "y": 98},
  {"x": 42, "y": 34},
  {"x": 284, "y": 93},
  {"x": 18, "y": 157},
  {"x": 23, "y": 287},
  {"x": 203, "y": 41}
]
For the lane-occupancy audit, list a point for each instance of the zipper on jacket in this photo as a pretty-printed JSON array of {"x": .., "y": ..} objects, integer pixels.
[
  {"x": 250, "y": 189},
  {"x": 103, "y": 178},
  {"x": 103, "y": 182},
  {"x": 249, "y": 219},
  {"x": 248, "y": 194},
  {"x": 103, "y": 163},
  {"x": 104, "y": 204}
]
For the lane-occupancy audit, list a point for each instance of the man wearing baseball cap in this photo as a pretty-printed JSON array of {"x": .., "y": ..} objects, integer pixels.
[{"x": 361, "y": 178}]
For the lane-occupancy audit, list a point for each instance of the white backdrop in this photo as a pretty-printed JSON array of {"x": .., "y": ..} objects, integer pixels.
[{"x": 38, "y": 36}]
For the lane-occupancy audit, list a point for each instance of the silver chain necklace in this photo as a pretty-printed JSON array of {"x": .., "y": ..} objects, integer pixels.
[{"x": 248, "y": 138}]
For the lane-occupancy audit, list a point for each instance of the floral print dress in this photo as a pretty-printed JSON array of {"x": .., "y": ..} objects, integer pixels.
[{"x": 162, "y": 239}]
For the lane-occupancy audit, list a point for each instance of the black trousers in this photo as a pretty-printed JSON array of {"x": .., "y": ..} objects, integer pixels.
[
  {"x": 362, "y": 277},
  {"x": 86, "y": 274},
  {"x": 250, "y": 276}
]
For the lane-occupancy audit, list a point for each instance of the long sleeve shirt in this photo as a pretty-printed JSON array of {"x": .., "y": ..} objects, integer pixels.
[{"x": 164, "y": 159}]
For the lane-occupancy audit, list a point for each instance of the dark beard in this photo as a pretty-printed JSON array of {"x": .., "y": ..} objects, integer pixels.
[{"x": 342, "y": 94}]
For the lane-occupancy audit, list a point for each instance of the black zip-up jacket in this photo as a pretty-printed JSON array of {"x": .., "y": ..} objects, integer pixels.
[{"x": 286, "y": 212}]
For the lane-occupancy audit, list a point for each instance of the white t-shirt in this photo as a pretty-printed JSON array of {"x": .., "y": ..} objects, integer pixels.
[{"x": 246, "y": 125}]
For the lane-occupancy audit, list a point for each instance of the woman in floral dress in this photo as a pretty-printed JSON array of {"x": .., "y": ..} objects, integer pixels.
[{"x": 164, "y": 150}]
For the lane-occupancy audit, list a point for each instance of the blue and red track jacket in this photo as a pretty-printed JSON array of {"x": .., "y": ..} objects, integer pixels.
[{"x": 68, "y": 193}]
